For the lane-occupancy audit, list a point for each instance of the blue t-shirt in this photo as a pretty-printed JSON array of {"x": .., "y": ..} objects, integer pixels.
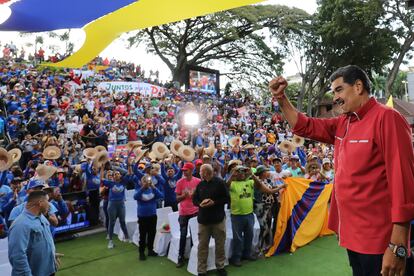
[
  {"x": 147, "y": 201},
  {"x": 116, "y": 190}
]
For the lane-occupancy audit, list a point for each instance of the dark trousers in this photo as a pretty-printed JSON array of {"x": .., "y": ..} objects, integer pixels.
[
  {"x": 370, "y": 264},
  {"x": 242, "y": 226},
  {"x": 365, "y": 264},
  {"x": 147, "y": 230},
  {"x": 183, "y": 221},
  {"x": 173, "y": 205},
  {"x": 93, "y": 207}
]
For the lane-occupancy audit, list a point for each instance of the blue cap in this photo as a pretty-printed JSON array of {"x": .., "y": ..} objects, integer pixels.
[
  {"x": 34, "y": 183},
  {"x": 148, "y": 166}
]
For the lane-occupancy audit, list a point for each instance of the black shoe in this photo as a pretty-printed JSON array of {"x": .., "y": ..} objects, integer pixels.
[
  {"x": 250, "y": 258},
  {"x": 152, "y": 253},
  {"x": 180, "y": 263},
  {"x": 222, "y": 272},
  {"x": 142, "y": 256},
  {"x": 236, "y": 263},
  {"x": 202, "y": 274}
]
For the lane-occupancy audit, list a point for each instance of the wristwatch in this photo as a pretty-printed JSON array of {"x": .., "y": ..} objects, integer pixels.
[{"x": 399, "y": 250}]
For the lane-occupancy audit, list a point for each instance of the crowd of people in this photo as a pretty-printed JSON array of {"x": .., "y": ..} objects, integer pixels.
[{"x": 62, "y": 134}]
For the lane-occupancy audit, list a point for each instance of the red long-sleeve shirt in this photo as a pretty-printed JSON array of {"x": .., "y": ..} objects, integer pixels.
[{"x": 374, "y": 178}]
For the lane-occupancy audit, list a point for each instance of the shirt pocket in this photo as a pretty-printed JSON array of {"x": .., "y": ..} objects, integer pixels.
[
  {"x": 36, "y": 236},
  {"x": 357, "y": 155}
]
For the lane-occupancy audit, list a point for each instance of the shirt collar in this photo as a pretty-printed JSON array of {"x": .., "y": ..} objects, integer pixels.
[
  {"x": 359, "y": 115},
  {"x": 30, "y": 215}
]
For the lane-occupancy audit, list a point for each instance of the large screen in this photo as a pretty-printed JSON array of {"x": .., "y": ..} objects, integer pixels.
[{"x": 203, "y": 80}]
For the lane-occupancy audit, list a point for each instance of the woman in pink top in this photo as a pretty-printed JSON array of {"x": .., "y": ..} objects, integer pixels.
[{"x": 184, "y": 190}]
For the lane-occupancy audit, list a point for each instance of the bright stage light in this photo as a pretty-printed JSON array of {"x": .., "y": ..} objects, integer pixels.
[{"x": 191, "y": 119}]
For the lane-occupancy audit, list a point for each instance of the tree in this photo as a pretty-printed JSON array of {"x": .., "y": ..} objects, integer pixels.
[
  {"x": 401, "y": 21},
  {"x": 232, "y": 37},
  {"x": 342, "y": 32}
]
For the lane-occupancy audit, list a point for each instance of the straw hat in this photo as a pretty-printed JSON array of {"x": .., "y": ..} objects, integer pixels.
[
  {"x": 235, "y": 162},
  {"x": 210, "y": 151},
  {"x": 51, "y": 152},
  {"x": 298, "y": 141},
  {"x": 90, "y": 153},
  {"x": 45, "y": 172},
  {"x": 152, "y": 156},
  {"x": 6, "y": 160},
  {"x": 175, "y": 147},
  {"x": 236, "y": 140},
  {"x": 287, "y": 146},
  {"x": 100, "y": 148},
  {"x": 249, "y": 146},
  {"x": 52, "y": 92},
  {"x": 133, "y": 145},
  {"x": 100, "y": 159},
  {"x": 160, "y": 150},
  {"x": 187, "y": 153},
  {"x": 139, "y": 153},
  {"x": 16, "y": 154}
]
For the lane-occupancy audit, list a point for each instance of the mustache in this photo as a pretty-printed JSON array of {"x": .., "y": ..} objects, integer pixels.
[{"x": 338, "y": 101}]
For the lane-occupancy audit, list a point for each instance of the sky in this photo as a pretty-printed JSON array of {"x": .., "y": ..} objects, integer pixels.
[{"x": 118, "y": 48}]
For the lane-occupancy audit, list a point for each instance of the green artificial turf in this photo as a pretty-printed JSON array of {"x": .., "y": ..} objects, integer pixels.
[{"x": 89, "y": 256}]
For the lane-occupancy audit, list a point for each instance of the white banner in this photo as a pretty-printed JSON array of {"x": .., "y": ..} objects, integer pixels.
[{"x": 143, "y": 88}]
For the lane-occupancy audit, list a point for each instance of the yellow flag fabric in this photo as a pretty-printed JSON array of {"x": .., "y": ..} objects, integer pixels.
[
  {"x": 303, "y": 215},
  {"x": 390, "y": 102},
  {"x": 140, "y": 15}
]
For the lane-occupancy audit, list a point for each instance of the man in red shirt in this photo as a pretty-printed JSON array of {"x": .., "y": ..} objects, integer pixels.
[
  {"x": 373, "y": 198},
  {"x": 184, "y": 190}
]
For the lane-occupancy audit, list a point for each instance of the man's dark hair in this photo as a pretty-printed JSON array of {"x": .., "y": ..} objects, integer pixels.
[
  {"x": 350, "y": 74},
  {"x": 35, "y": 196}
]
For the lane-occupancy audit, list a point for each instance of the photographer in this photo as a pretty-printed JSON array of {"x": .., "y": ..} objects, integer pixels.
[{"x": 241, "y": 187}]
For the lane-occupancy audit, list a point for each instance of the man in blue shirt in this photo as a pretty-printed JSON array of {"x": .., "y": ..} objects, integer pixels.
[{"x": 31, "y": 247}]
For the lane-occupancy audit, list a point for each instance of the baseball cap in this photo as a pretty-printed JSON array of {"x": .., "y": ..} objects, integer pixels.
[
  {"x": 326, "y": 161},
  {"x": 188, "y": 166},
  {"x": 198, "y": 162},
  {"x": 34, "y": 183},
  {"x": 261, "y": 169}
]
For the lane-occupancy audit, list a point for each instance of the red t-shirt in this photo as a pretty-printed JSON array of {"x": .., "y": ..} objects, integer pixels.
[
  {"x": 186, "y": 206},
  {"x": 374, "y": 174}
]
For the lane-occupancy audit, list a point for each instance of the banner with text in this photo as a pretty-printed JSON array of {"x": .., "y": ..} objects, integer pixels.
[{"x": 145, "y": 89}]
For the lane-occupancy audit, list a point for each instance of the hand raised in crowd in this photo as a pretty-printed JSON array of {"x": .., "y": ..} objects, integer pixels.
[{"x": 277, "y": 87}]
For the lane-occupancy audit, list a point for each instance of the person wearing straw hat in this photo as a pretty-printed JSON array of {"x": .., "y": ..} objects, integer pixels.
[
  {"x": 184, "y": 190},
  {"x": 295, "y": 167}
]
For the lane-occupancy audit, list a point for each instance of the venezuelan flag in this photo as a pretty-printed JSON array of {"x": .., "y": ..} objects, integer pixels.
[{"x": 303, "y": 215}]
